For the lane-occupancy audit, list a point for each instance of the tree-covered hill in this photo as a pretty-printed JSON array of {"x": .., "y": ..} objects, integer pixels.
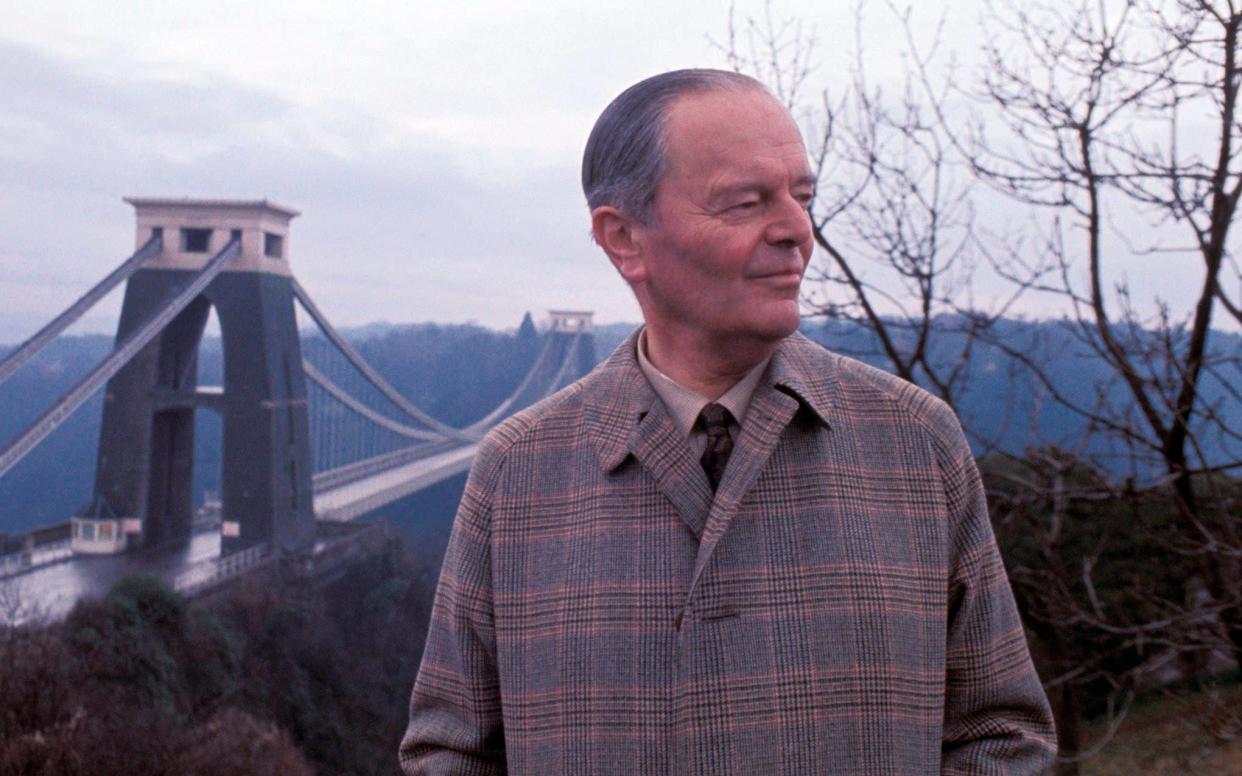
[{"x": 459, "y": 372}]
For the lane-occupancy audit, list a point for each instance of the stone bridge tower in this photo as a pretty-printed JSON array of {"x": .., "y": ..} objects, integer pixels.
[{"x": 144, "y": 470}]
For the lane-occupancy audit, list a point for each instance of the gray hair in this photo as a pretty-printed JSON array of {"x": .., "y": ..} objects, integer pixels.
[{"x": 626, "y": 153}]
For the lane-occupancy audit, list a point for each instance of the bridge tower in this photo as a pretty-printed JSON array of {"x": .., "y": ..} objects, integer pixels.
[
  {"x": 566, "y": 325},
  {"x": 144, "y": 470}
]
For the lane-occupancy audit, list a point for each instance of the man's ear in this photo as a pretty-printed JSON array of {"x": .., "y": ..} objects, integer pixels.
[{"x": 621, "y": 238}]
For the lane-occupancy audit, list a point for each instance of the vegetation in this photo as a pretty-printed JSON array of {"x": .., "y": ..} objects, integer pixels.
[
  {"x": 1180, "y": 732},
  {"x": 276, "y": 679}
]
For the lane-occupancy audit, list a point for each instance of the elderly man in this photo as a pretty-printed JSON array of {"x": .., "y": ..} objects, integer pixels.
[{"x": 726, "y": 550}]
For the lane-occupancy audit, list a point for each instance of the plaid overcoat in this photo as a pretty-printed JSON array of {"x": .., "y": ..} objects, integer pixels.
[{"x": 839, "y": 606}]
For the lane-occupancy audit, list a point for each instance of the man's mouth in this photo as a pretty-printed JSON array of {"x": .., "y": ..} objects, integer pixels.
[{"x": 792, "y": 273}]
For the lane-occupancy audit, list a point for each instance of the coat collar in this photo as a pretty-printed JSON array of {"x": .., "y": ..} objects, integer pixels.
[
  {"x": 625, "y": 419},
  {"x": 621, "y": 398},
  {"x": 798, "y": 369},
  {"x": 617, "y": 399}
]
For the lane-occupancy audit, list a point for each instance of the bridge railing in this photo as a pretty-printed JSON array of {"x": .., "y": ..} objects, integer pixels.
[
  {"x": 14, "y": 563},
  {"x": 21, "y": 562},
  {"x": 342, "y": 475},
  {"x": 41, "y": 547},
  {"x": 216, "y": 571}
]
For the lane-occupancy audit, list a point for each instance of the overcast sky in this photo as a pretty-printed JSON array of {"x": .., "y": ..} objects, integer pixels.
[{"x": 432, "y": 147}]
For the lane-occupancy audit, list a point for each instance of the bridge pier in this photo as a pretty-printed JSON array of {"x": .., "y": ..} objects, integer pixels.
[{"x": 144, "y": 471}]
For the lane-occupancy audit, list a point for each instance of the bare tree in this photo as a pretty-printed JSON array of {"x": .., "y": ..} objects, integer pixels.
[
  {"x": 892, "y": 215},
  {"x": 1112, "y": 124},
  {"x": 1113, "y": 606},
  {"x": 1093, "y": 107},
  {"x": 1115, "y": 124}
]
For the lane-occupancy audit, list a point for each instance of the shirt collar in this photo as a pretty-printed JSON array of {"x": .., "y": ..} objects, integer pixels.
[{"x": 684, "y": 405}]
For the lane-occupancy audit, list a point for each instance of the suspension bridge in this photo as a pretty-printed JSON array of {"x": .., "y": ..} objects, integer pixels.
[{"x": 313, "y": 437}]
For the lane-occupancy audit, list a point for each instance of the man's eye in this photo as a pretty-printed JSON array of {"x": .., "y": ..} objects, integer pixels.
[{"x": 748, "y": 204}]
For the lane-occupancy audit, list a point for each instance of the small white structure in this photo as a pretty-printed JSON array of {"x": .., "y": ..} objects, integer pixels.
[
  {"x": 571, "y": 321},
  {"x": 96, "y": 537},
  {"x": 100, "y": 531}
]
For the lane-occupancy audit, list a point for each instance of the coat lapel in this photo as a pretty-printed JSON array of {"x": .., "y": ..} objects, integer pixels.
[
  {"x": 628, "y": 419},
  {"x": 769, "y": 413},
  {"x": 625, "y": 418},
  {"x": 666, "y": 455},
  {"x": 789, "y": 384}
]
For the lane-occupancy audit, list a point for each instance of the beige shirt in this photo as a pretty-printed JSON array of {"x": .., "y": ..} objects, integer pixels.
[{"x": 684, "y": 405}]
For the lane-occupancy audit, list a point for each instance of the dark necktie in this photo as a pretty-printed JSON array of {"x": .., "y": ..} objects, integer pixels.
[{"x": 715, "y": 419}]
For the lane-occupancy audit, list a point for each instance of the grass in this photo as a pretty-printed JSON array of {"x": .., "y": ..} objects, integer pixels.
[{"x": 1184, "y": 732}]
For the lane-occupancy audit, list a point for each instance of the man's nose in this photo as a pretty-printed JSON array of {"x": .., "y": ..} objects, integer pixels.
[{"x": 790, "y": 226}]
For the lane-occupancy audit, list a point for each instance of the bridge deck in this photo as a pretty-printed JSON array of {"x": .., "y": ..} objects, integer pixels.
[
  {"x": 49, "y": 592},
  {"x": 368, "y": 493}
]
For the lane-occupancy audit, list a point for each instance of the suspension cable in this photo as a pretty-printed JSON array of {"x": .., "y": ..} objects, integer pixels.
[
  {"x": 344, "y": 397},
  {"x": 490, "y": 419},
  {"x": 560, "y": 380},
  {"x": 50, "y": 420},
  {"x": 367, "y": 371},
  {"x": 25, "y": 351}
]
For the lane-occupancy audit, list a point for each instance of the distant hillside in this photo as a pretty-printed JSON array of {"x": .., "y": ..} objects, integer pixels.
[
  {"x": 459, "y": 372},
  {"x": 1001, "y": 405}
]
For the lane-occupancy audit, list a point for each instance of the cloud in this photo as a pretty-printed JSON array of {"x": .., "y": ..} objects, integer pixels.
[{"x": 395, "y": 225}]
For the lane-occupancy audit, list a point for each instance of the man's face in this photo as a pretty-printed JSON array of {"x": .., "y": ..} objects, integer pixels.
[{"x": 730, "y": 236}]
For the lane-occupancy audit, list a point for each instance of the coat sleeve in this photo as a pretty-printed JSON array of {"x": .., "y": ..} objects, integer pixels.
[
  {"x": 455, "y": 714},
  {"x": 996, "y": 716}
]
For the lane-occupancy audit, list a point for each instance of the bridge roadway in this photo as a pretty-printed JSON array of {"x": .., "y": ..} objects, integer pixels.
[
  {"x": 346, "y": 493},
  {"x": 48, "y": 590}
]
